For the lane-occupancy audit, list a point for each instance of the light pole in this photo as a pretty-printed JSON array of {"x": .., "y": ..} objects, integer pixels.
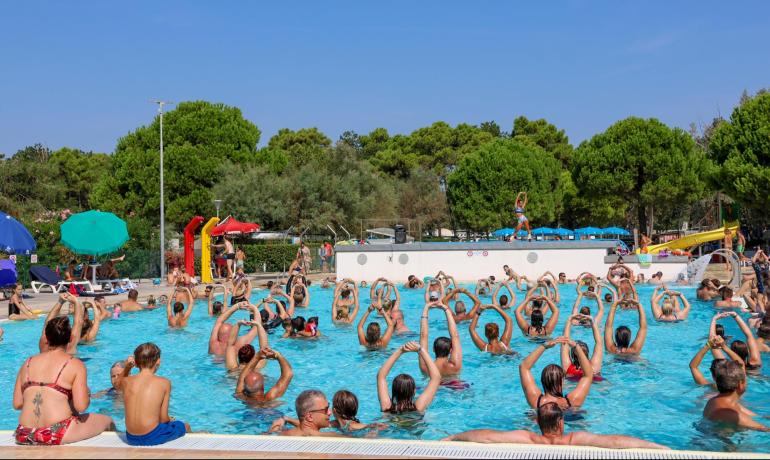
[
  {"x": 162, "y": 207},
  {"x": 217, "y": 204}
]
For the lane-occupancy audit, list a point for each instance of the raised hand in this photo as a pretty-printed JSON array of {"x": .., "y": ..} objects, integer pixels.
[{"x": 411, "y": 346}]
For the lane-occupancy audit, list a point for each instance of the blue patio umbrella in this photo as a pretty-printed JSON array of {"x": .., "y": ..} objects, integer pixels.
[
  {"x": 563, "y": 232},
  {"x": 14, "y": 237},
  {"x": 588, "y": 231},
  {"x": 544, "y": 231},
  {"x": 615, "y": 231},
  {"x": 503, "y": 232}
]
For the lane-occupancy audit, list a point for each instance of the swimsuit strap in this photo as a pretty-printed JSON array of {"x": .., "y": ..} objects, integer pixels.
[
  {"x": 538, "y": 400},
  {"x": 55, "y": 382}
]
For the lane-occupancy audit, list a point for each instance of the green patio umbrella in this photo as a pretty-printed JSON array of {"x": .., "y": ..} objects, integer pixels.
[{"x": 94, "y": 233}]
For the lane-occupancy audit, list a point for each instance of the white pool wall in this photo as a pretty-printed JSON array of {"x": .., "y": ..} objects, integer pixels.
[{"x": 468, "y": 262}]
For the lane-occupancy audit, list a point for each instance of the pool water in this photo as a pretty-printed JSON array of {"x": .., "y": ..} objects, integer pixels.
[{"x": 653, "y": 398}]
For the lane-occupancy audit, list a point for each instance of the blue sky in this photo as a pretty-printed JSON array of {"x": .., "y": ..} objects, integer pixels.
[{"x": 80, "y": 74}]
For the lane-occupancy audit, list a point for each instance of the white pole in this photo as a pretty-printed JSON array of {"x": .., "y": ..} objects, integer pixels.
[{"x": 162, "y": 200}]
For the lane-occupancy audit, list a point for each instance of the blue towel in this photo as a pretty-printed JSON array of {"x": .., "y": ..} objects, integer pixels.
[{"x": 162, "y": 434}]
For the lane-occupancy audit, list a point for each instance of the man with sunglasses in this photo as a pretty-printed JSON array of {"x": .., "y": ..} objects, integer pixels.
[{"x": 314, "y": 413}]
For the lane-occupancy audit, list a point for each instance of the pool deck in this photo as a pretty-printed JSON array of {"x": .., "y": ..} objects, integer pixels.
[{"x": 111, "y": 445}]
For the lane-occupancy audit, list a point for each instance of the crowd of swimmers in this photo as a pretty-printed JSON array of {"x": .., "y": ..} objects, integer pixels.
[{"x": 52, "y": 395}]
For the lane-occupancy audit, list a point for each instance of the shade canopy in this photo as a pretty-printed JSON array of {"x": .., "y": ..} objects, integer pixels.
[
  {"x": 589, "y": 231},
  {"x": 503, "y": 232},
  {"x": 615, "y": 231},
  {"x": 544, "y": 231},
  {"x": 563, "y": 231},
  {"x": 94, "y": 233},
  {"x": 8, "y": 274},
  {"x": 232, "y": 226},
  {"x": 14, "y": 237}
]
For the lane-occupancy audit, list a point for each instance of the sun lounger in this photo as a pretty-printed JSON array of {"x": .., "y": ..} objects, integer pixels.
[{"x": 43, "y": 277}]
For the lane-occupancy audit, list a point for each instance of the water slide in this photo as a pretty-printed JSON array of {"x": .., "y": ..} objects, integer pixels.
[
  {"x": 695, "y": 239},
  {"x": 206, "y": 250},
  {"x": 189, "y": 242}
]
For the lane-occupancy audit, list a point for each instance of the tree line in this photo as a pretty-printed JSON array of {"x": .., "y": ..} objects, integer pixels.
[{"x": 636, "y": 172}]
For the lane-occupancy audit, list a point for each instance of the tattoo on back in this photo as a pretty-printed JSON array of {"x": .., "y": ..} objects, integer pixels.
[{"x": 38, "y": 401}]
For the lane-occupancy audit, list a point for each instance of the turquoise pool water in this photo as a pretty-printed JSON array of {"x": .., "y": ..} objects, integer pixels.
[{"x": 653, "y": 398}]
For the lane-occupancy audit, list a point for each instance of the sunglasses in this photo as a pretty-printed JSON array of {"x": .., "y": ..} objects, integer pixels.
[{"x": 324, "y": 410}]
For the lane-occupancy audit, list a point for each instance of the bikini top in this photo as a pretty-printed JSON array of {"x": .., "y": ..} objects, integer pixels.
[
  {"x": 505, "y": 347},
  {"x": 54, "y": 386}
]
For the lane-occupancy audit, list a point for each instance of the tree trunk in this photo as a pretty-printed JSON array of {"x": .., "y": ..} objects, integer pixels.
[{"x": 641, "y": 216}]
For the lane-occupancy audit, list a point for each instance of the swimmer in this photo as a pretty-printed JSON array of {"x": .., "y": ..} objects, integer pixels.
[
  {"x": 345, "y": 411},
  {"x": 239, "y": 350},
  {"x": 550, "y": 419},
  {"x": 220, "y": 332},
  {"x": 101, "y": 304},
  {"x": 77, "y": 323},
  {"x": 569, "y": 357},
  {"x": 537, "y": 328},
  {"x": 398, "y": 321},
  {"x": 90, "y": 327},
  {"x": 448, "y": 350},
  {"x": 447, "y": 281},
  {"x": 725, "y": 407},
  {"x": 763, "y": 335},
  {"x": 521, "y": 219},
  {"x": 241, "y": 289},
  {"x": 118, "y": 372},
  {"x": 314, "y": 414},
  {"x": 727, "y": 300},
  {"x": 656, "y": 279},
  {"x": 748, "y": 350},
  {"x": 669, "y": 311},
  {"x": 552, "y": 378},
  {"x": 345, "y": 297},
  {"x": 179, "y": 317},
  {"x": 372, "y": 338},
  {"x": 251, "y": 384},
  {"x": 503, "y": 301},
  {"x": 401, "y": 400},
  {"x": 131, "y": 303},
  {"x": 434, "y": 291},
  {"x": 621, "y": 344},
  {"x": 585, "y": 310},
  {"x": 495, "y": 344},
  {"x": 300, "y": 294},
  {"x": 310, "y": 330},
  {"x": 328, "y": 282},
  {"x": 484, "y": 286},
  {"x": 460, "y": 314},
  {"x": 216, "y": 306},
  {"x": 706, "y": 290},
  {"x": 551, "y": 285},
  {"x": 412, "y": 282},
  {"x": 17, "y": 309},
  {"x": 719, "y": 348}
]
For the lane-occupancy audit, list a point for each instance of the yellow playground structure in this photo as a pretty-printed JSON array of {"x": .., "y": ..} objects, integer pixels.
[{"x": 689, "y": 241}]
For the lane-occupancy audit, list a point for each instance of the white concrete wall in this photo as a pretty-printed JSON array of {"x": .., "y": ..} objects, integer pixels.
[{"x": 470, "y": 265}]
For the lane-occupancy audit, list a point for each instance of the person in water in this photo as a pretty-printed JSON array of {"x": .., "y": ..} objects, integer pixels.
[
  {"x": 536, "y": 328},
  {"x": 495, "y": 344},
  {"x": 448, "y": 350},
  {"x": 313, "y": 413},
  {"x": 373, "y": 337},
  {"x": 179, "y": 317},
  {"x": 17, "y": 309},
  {"x": 77, "y": 323},
  {"x": 251, "y": 384},
  {"x": 502, "y": 300},
  {"x": 216, "y": 306},
  {"x": 719, "y": 349},
  {"x": 413, "y": 282},
  {"x": 569, "y": 357},
  {"x": 239, "y": 351},
  {"x": 345, "y": 304},
  {"x": 550, "y": 419},
  {"x": 586, "y": 310},
  {"x": 131, "y": 303},
  {"x": 748, "y": 350},
  {"x": 725, "y": 407},
  {"x": 621, "y": 343},
  {"x": 461, "y": 314},
  {"x": 552, "y": 378},
  {"x": 52, "y": 394},
  {"x": 345, "y": 411},
  {"x": 521, "y": 218},
  {"x": 147, "y": 398},
  {"x": 401, "y": 400},
  {"x": 118, "y": 372},
  {"x": 670, "y": 310},
  {"x": 220, "y": 332}
]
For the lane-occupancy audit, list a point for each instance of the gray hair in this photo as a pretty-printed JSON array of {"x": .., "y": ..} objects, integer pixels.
[{"x": 304, "y": 401}]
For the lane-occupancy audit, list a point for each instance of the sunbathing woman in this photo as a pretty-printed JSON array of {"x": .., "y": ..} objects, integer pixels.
[
  {"x": 622, "y": 345},
  {"x": 17, "y": 309},
  {"x": 52, "y": 413},
  {"x": 401, "y": 400},
  {"x": 569, "y": 357},
  {"x": 669, "y": 311},
  {"x": 537, "y": 328},
  {"x": 494, "y": 344},
  {"x": 552, "y": 378},
  {"x": 372, "y": 338}
]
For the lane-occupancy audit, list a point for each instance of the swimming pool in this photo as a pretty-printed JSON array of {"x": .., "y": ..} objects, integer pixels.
[{"x": 653, "y": 398}]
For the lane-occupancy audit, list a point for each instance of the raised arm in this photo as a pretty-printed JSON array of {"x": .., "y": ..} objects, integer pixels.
[
  {"x": 609, "y": 342},
  {"x": 684, "y": 312},
  {"x": 597, "y": 356},
  {"x": 508, "y": 330},
  {"x": 579, "y": 394},
  {"x": 424, "y": 337},
  {"x": 522, "y": 323},
  {"x": 231, "y": 353},
  {"x": 94, "y": 331},
  {"x": 382, "y": 376},
  {"x": 189, "y": 309},
  {"x": 169, "y": 313},
  {"x": 564, "y": 352},
  {"x": 531, "y": 390},
  {"x": 641, "y": 336},
  {"x": 77, "y": 328},
  {"x": 755, "y": 358},
  {"x": 424, "y": 400},
  {"x": 657, "y": 312},
  {"x": 480, "y": 344},
  {"x": 360, "y": 328},
  {"x": 218, "y": 324},
  {"x": 388, "y": 333},
  {"x": 247, "y": 369},
  {"x": 456, "y": 355},
  {"x": 550, "y": 325},
  {"x": 287, "y": 374},
  {"x": 697, "y": 375}
]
